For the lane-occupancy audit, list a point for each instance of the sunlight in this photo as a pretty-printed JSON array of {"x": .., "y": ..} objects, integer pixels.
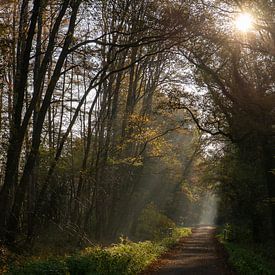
[
  {"x": 209, "y": 209},
  {"x": 244, "y": 22}
]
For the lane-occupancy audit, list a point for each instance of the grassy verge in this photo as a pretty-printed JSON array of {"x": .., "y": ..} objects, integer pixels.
[
  {"x": 119, "y": 259},
  {"x": 248, "y": 259}
]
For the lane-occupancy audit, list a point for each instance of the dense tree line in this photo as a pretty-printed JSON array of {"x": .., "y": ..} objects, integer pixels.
[
  {"x": 237, "y": 73},
  {"x": 80, "y": 80},
  {"x": 100, "y": 123}
]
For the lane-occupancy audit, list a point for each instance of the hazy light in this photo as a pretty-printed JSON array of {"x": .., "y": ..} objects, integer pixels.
[
  {"x": 209, "y": 209},
  {"x": 244, "y": 22}
]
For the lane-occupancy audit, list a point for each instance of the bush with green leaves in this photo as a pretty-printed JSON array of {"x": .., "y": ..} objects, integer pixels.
[
  {"x": 232, "y": 232},
  {"x": 247, "y": 258},
  {"x": 248, "y": 261},
  {"x": 120, "y": 259},
  {"x": 35, "y": 267},
  {"x": 153, "y": 224},
  {"x": 97, "y": 261}
]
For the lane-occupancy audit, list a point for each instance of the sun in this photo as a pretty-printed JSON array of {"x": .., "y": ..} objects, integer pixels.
[{"x": 244, "y": 22}]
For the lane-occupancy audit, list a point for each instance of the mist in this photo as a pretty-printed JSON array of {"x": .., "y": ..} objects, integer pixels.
[{"x": 209, "y": 209}]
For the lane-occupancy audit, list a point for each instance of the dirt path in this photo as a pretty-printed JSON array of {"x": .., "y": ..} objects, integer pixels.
[{"x": 199, "y": 254}]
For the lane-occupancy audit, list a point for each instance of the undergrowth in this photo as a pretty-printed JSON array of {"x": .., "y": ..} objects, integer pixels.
[
  {"x": 123, "y": 258},
  {"x": 248, "y": 258}
]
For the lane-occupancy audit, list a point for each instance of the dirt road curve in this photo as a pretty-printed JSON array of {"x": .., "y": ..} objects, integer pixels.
[{"x": 198, "y": 254}]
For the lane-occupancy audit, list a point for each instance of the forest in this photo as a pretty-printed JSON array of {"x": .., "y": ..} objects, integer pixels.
[{"x": 127, "y": 121}]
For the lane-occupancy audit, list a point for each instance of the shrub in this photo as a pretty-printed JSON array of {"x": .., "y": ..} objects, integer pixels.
[
  {"x": 152, "y": 224},
  {"x": 35, "y": 267},
  {"x": 248, "y": 261},
  {"x": 244, "y": 257},
  {"x": 120, "y": 259},
  {"x": 236, "y": 233},
  {"x": 137, "y": 255},
  {"x": 99, "y": 261}
]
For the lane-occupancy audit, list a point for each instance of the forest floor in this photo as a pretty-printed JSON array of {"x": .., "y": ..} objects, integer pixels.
[{"x": 200, "y": 253}]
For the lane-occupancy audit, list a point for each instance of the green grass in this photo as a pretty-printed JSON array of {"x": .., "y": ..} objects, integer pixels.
[{"x": 124, "y": 258}]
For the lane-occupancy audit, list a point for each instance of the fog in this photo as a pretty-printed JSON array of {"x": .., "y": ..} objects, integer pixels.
[{"x": 209, "y": 209}]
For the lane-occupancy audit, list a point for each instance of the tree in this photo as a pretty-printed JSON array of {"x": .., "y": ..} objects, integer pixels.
[
  {"x": 119, "y": 58},
  {"x": 239, "y": 99}
]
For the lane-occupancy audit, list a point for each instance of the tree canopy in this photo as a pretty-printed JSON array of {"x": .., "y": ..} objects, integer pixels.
[{"x": 115, "y": 111}]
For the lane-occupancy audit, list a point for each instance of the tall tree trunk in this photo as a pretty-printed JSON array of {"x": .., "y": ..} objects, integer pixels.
[
  {"x": 17, "y": 136},
  {"x": 13, "y": 221}
]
